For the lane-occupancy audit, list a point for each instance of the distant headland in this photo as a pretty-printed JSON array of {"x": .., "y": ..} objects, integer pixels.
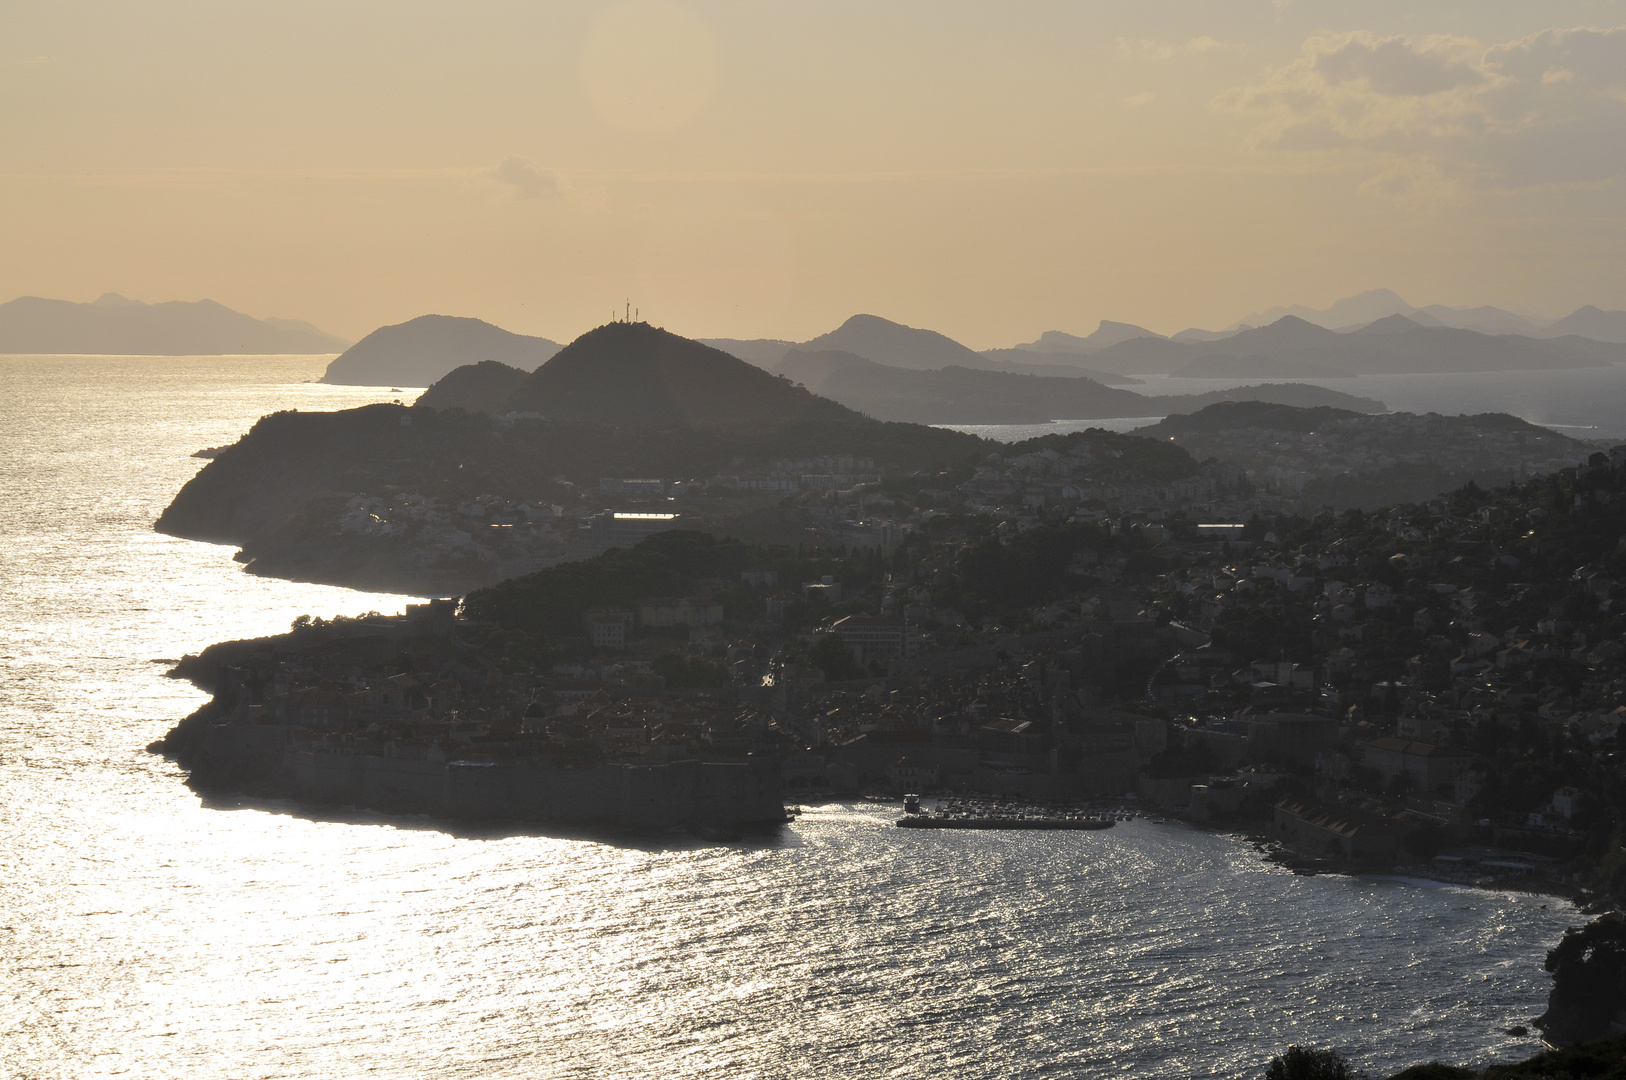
[
  {"x": 424, "y": 350},
  {"x": 116, "y": 326}
]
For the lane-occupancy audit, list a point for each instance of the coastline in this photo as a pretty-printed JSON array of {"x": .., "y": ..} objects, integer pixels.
[
  {"x": 236, "y": 752},
  {"x": 1272, "y": 850}
]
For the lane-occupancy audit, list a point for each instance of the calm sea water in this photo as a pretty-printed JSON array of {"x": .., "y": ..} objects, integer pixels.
[
  {"x": 1586, "y": 404},
  {"x": 146, "y": 934}
]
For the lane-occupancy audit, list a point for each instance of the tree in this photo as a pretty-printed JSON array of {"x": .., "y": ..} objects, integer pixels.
[
  {"x": 1589, "y": 982},
  {"x": 686, "y": 673},
  {"x": 1301, "y": 1064},
  {"x": 831, "y": 655}
]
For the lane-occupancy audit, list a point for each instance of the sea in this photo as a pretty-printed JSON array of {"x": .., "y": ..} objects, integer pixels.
[{"x": 148, "y": 932}]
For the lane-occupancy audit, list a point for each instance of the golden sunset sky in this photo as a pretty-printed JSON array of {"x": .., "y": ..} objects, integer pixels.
[{"x": 766, "y": 168}]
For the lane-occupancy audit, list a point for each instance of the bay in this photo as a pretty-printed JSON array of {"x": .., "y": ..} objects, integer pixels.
[
  {"x": 147, "y": 933},
  {"x": 1587, "y": 403}
]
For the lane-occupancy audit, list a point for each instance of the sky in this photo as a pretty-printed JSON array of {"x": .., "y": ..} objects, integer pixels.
[{"x": 767, "y": 168}]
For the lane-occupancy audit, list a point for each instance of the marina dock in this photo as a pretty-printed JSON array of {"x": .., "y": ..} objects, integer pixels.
[{"x": 991, "y": 814}]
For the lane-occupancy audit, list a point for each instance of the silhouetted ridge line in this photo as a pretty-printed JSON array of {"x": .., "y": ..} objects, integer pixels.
[
  {"x": 482, "y": 388},
  {"x": 114, "y": 325},
  {"x": 638, "y": 373},
  {"x": 421, "y": 351},
  {"x": 896, "y": 345}
]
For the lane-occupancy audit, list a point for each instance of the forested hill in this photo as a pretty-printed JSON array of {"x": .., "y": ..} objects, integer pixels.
[
  {"x": 637, "y": 373},
  {"x": 291, "y": 458},
  {"x": 1342, "y": 459},
  {"x": 483, "y": 387}
]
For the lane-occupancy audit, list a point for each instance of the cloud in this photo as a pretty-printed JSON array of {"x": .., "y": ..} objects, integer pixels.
[
  {"x": 527, "y": 180},
  {"x": 1148, "y": 49},
  {"x": 1394, "y": 67},
  {"x": 1144, "y": 98},
  {"x": 1548, "y": 108}
]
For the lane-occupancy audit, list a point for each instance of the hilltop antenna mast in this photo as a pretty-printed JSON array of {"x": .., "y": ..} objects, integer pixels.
[{"x": 627, "y": 316}]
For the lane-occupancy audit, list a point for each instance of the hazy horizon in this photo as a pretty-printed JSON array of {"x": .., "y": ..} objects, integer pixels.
[
  {"x": 1273, "y": 313},
  {"x": 989, "y": 174}
]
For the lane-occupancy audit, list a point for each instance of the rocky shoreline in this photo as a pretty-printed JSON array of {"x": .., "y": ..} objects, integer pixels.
[
  {"x": 226, "y": 755},
  {"x": 324, "y": 745}
]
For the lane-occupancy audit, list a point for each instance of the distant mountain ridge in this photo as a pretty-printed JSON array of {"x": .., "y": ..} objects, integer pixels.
[
  {"x": 421, "y": 351},
  {"x": 1295, "y": 347},
  {"x": 1024, "y": 362},
  {"x": 636, "y": 374},
  {"x": 1105, "y": 336},
  {"x": 1353, "y": 313},
  {"x": 1397, "y": 339},
  {"x": 1357, "y": 311},
  {"x": 1590, "y": 322},
  {"x": 957, "y": 395},
  {"x": 896, "y": 345},
  {"x": 115, "y": 325}
]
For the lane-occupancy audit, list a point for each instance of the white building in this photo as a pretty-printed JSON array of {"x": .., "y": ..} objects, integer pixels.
[{"x": 607, "y": 626}]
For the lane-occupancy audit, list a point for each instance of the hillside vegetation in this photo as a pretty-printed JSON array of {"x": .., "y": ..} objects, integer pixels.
[{"x": 636, "y": 373}]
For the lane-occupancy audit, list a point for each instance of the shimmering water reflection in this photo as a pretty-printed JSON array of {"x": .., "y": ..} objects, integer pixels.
[{"x": 145, "y": 934}]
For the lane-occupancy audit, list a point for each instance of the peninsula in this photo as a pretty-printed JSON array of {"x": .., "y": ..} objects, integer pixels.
[
  {"x": 632, "y": 430},
  {"x": 449, "y": 733},
  {"x": 1434, "y": 686},
  {"x": 308, "y": 495}
]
